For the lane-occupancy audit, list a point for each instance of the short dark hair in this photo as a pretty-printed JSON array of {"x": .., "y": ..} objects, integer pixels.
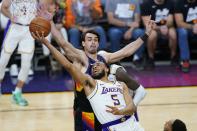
[
  {"x": 89, "y": 31},
  {"x": 178, "y": 125}
]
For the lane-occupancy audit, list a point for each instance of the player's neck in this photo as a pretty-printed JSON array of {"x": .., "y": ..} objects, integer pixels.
[
  {"x": 92, "y": 56},
  {"x": 105, "y": 79}
]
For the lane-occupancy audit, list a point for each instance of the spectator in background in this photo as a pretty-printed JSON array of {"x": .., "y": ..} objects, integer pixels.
[
  {"x": 124, "y": 16},
  {"x": 81, "y": 15},
  {"x": 162, "y": 12},
  {"x": 186, "y": 20},
  {"x": 175, "y": 125}
]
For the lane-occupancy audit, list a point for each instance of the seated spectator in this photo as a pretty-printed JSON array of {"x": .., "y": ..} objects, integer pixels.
[
  {"x": 175, "y": 125},
  {"x": 186, "y": 20},
  {"x": 124, "y": 16},
  {"x": 81, "y": 15},
  {"x": 162, "y": 12}
]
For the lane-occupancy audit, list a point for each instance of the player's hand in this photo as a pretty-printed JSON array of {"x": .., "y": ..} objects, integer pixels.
[
  {"x": 44, "y": 12},
  {"x": 150, "y": 24},
  {"x": 114, "y": 110},
  {"x": 39, "y": 37}
]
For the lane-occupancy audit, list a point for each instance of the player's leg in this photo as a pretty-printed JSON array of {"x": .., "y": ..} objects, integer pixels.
[
  {"x": 86, "y": 121},
  {"x": 23, "y": 74},
  {"x": 8, "y": 47},
  {"x": 26, "y": 48},
  {"x": 4, "y": 59}
]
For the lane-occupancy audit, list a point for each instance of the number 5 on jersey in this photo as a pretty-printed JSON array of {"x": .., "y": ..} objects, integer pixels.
[{"x": 115, "y": 99}]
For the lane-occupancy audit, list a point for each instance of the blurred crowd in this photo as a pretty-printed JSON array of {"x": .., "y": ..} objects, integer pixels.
[{"x": 119, "y": 22}]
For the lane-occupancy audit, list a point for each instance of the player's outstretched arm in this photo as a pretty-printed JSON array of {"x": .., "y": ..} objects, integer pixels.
[
  {"x": 140, "y": 92},
  {"x": 70, "y": 51},
  {"x": 85, "y": 80},
  {"x": 131, "y": 47}
]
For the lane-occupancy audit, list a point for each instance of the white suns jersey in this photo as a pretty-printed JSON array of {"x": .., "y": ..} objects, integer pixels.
[
  {"x": 23, "y": 10},
  {"x": 106, "y": 94}
]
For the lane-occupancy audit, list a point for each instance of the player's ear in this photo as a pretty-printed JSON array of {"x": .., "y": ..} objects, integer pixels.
[{"x": 83, "y": 43}]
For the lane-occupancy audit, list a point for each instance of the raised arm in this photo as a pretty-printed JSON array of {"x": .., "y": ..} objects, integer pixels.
[
  {"x": 130, "y": 48},
  {"x": 71, "y": 52},
  {"x": 85, "y": 80}
]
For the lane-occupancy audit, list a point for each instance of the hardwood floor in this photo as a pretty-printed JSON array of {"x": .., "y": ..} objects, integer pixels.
[{"x": 53, "y": 111}]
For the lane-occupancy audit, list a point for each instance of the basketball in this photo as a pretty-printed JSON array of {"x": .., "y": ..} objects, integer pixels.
[{"x": 40, "y": 25}]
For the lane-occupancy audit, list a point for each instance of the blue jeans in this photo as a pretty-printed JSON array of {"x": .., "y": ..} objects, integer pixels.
[
  {"x": 116, "y": 34},
  {"x": 75, "y": 35},
  {"x": 183, "y": 35}
]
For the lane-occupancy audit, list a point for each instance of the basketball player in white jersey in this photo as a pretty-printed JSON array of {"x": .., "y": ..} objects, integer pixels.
[
  {"x": 111, "y": 102},
  {"x": 20, "y": 12}
]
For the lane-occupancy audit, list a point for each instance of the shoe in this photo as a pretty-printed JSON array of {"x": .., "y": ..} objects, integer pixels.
[
  {"x": 18, "y": 99},
  {"x": 14, "y": 70},
  {"x": 185, "y": 65},
  {"x": 150, "y": 65},
  {"x": 138, "y": 64}
]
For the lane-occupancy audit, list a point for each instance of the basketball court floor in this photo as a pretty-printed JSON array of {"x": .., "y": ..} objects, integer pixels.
[{"x": 171, "y": 94}]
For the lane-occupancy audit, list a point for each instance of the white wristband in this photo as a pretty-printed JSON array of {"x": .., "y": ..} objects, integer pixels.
[
  {"x": 140, "y": 93},
  {"x": 114, "y": 67}
]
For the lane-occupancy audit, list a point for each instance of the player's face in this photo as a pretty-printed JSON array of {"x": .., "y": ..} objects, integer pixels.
[
  {"x": 168, "y": 125},
  {"x": 91, "y": 43},
  {"x": 98, "y": 70}
]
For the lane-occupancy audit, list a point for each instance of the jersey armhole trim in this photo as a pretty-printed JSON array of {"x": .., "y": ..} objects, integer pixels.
[{"x": 93, "y": 93}]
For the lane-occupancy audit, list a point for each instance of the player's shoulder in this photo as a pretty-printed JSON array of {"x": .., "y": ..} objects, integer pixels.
[{"x": 104, "y": 54}]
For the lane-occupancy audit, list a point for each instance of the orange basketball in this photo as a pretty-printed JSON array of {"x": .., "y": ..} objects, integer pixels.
[{"x": 40, "y": 25}]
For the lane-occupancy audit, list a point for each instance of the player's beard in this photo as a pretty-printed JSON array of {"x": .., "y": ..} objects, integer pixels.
[{"x": 99, "y": 75}]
